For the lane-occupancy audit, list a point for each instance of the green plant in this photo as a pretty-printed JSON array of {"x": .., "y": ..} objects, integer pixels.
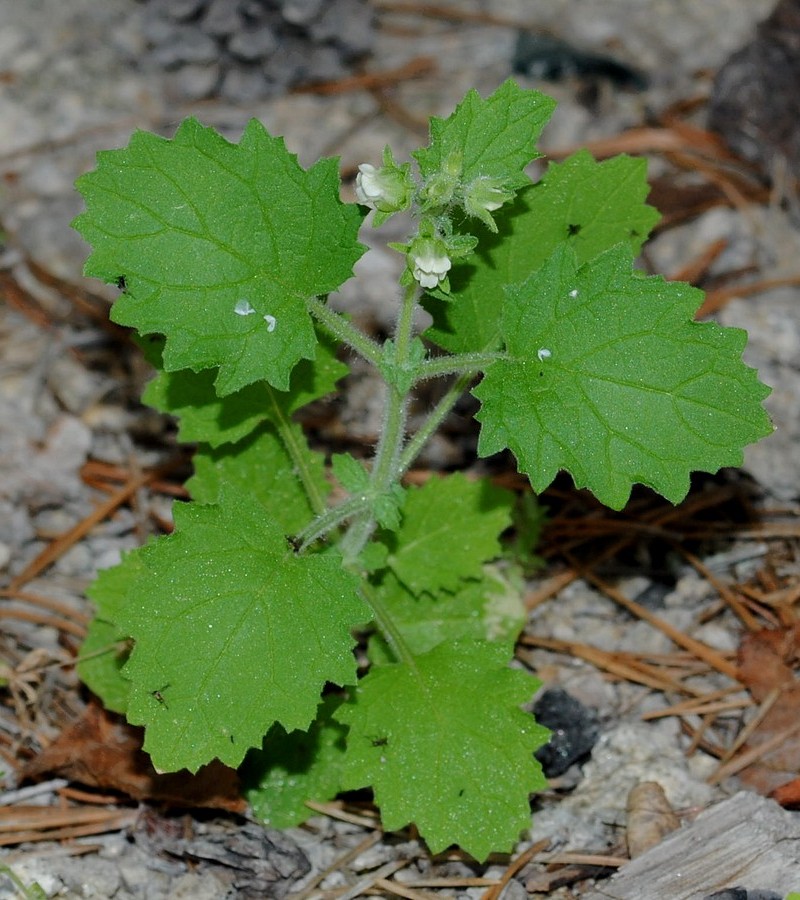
[
  {"x": 33, "y": 891},
  {"x": 242, "y": 620}
]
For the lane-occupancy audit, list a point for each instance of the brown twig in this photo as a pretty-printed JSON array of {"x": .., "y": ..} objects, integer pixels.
[
  {"x": 61, "y": 544},
  {"x": 515, "y": 866},
  {"x": 368, "y": 81}
]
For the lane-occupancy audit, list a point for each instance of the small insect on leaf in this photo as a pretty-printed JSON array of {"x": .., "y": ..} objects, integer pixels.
[{"x": 159, "y": 696}]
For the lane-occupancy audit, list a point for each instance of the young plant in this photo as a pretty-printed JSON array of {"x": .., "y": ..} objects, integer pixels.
[{"x": 242, "y": 621}]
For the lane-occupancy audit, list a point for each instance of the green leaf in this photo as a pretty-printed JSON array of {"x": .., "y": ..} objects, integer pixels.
[
  {"x": 590, "y": 206},
  {"x": 444, "y": 744},
  {"x": 105, "y": 649},
  {"x": 233, "y": 632},
  {"x": 292, "y": 768},
  {"x": 529, "y": 517},
  {"x": 609, "y": 378},
  {"x": 492, "y": 138},
  {"x": 350, "y": 473},
  {"x": 488, "y": 608},
  {"x": 259, "y": 465},
  {"x": 220, "y": 245},
  {"x": 205, "y": 417},
  {"x": 450, "y": 527}
]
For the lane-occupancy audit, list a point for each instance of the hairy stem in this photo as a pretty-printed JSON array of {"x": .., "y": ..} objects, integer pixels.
[
  {"x": 462, "y": 363},
  {"x": 329, "y": 520},
  {"x": 343, "y": 330},
  {"x": 434, "y": 420},
  {"x": 385, "y": 465}
]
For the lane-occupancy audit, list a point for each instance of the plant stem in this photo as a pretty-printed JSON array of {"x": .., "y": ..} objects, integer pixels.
[
  {"x": 330, "y": 519},
  {"x": 344, "y": 331},
  {"x": 287, "y": 432},
  {"x": 434, "y": 420},
  {"x": 385, "y": 465},
  {"x": 386, "y": 624},
  {"x": 467, "y": 363}
]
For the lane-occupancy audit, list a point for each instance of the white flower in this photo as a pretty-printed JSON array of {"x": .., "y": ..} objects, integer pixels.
[
  {"x": 429, "y": 267},
  {"x": 387, "y": 190},
  {"x": 369, "y": 189}
]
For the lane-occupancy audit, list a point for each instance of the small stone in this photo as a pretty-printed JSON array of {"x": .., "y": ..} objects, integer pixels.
[
  {"x": 184, "y": 10},
  {"x": 349, "y": 24},
  {"x": 196, "y": 82},
  {"x": 288, "y": 67},
  {"x": 514, "y": 891},
  {"x": 244, "y": 85},
  {"x": 301, "y": 12},
  {"x": 253, "y": 45},
  {"x": 255, "y": 11},
  {"x": 222, "y": 18},
  {"x": 326, "y": 65},
  {"x": 185, "y": 45}
]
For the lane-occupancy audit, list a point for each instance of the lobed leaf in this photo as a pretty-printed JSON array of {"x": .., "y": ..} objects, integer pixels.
[
  {"x": 444, "y": 744},
  {"x": 233, "y": 633},
  {"x": 219, "y": 247},
  {"x": 105, "y": 649},
  {"x": 492, "y": 138},
  {"x": 609, "y": 377},
  {"x": 449, "y": 529}
]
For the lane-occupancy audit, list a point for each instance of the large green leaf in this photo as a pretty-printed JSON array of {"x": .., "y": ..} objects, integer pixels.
[
  {"x": 444, "y": 744},
  {"x": 292, "y": 768},
  {"x": 233, "y": 632},
  {"x": 219, "y": 246},
  {"x": 609, "y": 377},
  {"x": 105, "y": 649},
  {"x": 488, "y": 608},
  {"x": 260, "y": 466}
]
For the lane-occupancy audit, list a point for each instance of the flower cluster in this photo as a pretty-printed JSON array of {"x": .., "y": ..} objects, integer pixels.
[{"x": 430, "y": 253}]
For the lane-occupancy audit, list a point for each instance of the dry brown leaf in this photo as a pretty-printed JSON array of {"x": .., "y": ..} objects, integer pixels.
[
  {"x": 788, "y": 795},
  {"x": 650, "y": 817},
  {"x": 766, "y": 660},
  {"x": 100, "y": 749}
]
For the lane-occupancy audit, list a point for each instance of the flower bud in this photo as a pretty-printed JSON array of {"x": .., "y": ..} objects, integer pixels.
[{"x": 484, "y": 196}]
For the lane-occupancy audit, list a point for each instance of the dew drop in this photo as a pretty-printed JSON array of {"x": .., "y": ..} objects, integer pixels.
[
  {"x": 271, "y": 322},
  {"x": 573, "y": 293},
  {"x": 243, "y": 308},
  {"x": 543, "y": 353}
]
